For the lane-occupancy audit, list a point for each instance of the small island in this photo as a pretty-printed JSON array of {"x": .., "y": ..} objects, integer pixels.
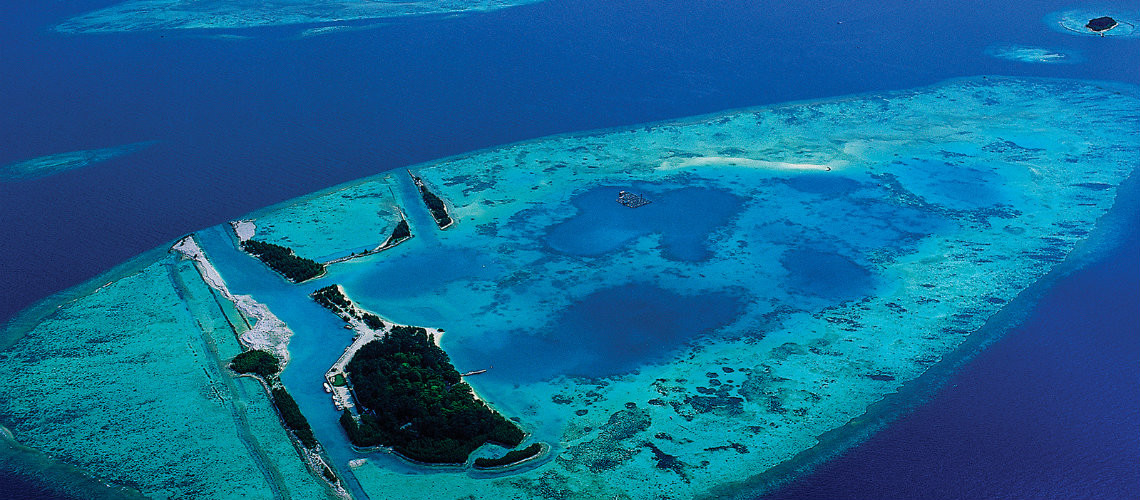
[
  {"x": 436, "y": 205},
  {"x": 283, "y": 260},
  {"x": 1101, "y": 24},
  {"x": 513, "y": 457}
]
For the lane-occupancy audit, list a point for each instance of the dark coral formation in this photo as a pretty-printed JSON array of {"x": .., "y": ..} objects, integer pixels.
[{"x": 609, "y": 449}]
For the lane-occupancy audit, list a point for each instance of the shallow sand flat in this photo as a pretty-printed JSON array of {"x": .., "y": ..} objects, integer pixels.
[
  {"x": 150, "y": 15},
  {"x": 329, "y": 225},
  {"x": 128, "y": 382},
  {"x": 61, "y": 162},
  {"x": 1038, "y": 55}
]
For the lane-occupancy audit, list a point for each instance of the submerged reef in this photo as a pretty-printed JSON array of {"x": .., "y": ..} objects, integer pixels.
[
  {"x": 62, "y": 162},
  {"x": 845, "y": 247},
  {"x": 153, "y": 15},
  {"x": 1039, "y": 55}
]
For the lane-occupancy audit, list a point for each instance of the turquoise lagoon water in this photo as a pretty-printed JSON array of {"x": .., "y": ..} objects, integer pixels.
[
  {"x": 167, "y": 417},
  {"x": 798, "y": 263},
  {"x": 361, "y": 219}
]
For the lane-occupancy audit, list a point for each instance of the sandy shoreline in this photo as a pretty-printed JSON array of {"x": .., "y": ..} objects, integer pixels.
[
  {"x": 749, "y": 162},
  {"x": 342, "y": 396},
  {"x": 268, "y": 333}
]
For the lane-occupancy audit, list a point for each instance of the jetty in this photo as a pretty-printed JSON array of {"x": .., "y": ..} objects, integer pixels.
[{"x": 632, "y": 200}]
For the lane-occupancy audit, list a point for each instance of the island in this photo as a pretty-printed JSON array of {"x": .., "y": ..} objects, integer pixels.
[
  {"x": 332, "y": 298},
  {"x": 413, "y": 401},
  {"x": 1101, "y": 24},
  {"x": 283, "y": 260},
  {"x": 435, "y": 205},
  {"x": 513, "y": 457},
  {"x": 405, "y": 394}
]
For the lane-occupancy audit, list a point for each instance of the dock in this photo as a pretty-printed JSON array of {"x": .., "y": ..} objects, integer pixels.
[{"x": 632, "y": 200}]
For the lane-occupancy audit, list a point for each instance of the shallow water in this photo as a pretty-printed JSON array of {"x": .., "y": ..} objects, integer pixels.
[{"x": 684, "y": 218}]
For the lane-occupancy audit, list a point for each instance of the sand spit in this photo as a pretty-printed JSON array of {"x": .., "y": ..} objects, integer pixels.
[
  {"x": 244, "y": 229},
  {"x": 268, "y": 333},
  {"x": 749, "y": 162}
]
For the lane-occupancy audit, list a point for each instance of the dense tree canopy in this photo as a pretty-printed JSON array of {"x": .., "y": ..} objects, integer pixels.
[
  {"x": 438, "y": 209},
  {"x": 332, "y": 299},
  {"x": 293, "y": 418},
  {"x": 283, "y": 260},
  {"x": 400, "y": 232},
  {"x": 258, "y": 362},
  {"x": 413, "y": 400}
]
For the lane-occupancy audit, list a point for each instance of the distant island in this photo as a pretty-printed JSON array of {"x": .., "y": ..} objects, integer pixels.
[
  {"x": 511, "y": 458},
  {"x": 1101, "y": 24}
]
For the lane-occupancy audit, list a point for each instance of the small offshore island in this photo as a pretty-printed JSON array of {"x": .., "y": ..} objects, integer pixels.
[
  {"x": 799, "y": 272},
  {"x": 1101, "y": 24}
]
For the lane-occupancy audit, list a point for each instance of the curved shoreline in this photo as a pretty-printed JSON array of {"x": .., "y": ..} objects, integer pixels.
[
  {"x": 917, "y": 391},
  {"x": 57, "y": 476},
  {"x": 1009, "y": 307}
]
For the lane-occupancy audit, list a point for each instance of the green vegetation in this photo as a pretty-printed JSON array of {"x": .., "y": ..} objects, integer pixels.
[
  {"x": 373, "y": 321},
  {"x": 339, "y": 381},
  {"x": 283, "y": 260},
  {"x": 438, "y": 210},
  {"x": 293, "y": 418},
  {"x": 261, "y": 363},
  {"x": 1101, "y": 24},
  {"x": 266, "y": 365},
  {"x": 412, "y": 399},
  {"x": 434, "y": 204},
  {"x": 401, "y": 231},
  {"x": 332, "y": 299},
  {"x": 510, "y": 458}
]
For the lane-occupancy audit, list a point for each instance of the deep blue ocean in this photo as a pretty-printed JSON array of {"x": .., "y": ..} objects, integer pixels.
[{"x": 1050, "y": 411}]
